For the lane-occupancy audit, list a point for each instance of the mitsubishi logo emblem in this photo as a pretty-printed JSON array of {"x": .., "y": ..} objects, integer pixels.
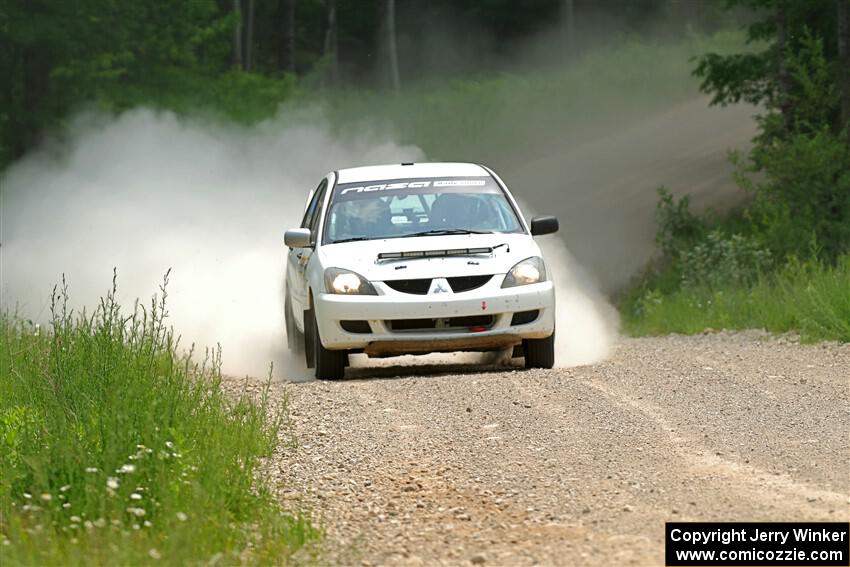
[{"x": 439, "y": 285}]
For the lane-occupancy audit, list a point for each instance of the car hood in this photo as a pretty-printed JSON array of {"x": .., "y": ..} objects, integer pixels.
[{"x": 362, "y": 257}]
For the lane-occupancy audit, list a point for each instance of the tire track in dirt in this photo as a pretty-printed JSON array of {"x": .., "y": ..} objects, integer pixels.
[{"x": 452, "y": 465}]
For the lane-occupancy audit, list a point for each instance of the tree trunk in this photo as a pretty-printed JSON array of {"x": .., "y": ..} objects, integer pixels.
[
  {"x": 569, "y": 25},
  {"x": 237, "y": 35},
  {"x": 843, "y": 7},
  {"x": 782, "y": 66},
  {"x": 287, "y": 51},
  {"x": 249, "y": 37},
  {"x": 330, "y": 52},
  {"x": 392, "y": 48}
]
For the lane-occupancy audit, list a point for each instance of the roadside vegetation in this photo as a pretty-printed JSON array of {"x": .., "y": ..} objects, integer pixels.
[
  {"x": 116, "y": 450},
  {"x": 782, "y": 262}
]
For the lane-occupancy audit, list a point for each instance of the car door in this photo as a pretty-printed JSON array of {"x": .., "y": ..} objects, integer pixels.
[{"x": 296, "y": 270}]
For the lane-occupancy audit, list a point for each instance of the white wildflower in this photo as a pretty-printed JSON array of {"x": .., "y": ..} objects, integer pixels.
[
  {"x": 27, "y": 495},
  {"x": 182, "y": 517},
  {"x": 154, "y": 554},
  {"x": 76, "y": 519},
  {"x": 135, "y": 496},
  {"x": 147, "y": 523},
  {"x": 66, "y": 505},
  {"x": 92, "y": 469},
  {"x": 65, "y": 488},
  {"x": 127, "y": 468},
  {"x": 138, "y": 512},
  {"x": 46, "y": 497},
  {"x": 112, "y": 483},
  {"x": 99, "y": 523},
  {"x": 169, "y": 444},
  {"x": 88, "y": 525}
]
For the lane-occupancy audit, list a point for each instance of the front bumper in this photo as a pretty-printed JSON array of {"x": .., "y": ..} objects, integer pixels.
[{"x": 385, "y": 313}]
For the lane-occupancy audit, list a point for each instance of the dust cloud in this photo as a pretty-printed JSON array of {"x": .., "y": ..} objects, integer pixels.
[{"x": 146, "y": 192}]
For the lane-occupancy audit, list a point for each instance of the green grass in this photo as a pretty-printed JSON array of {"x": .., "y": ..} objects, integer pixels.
[
  {"x": 514, "y": 114},
  {"x": 114, "y": 450},
  {"x": 810, "y": 298}
]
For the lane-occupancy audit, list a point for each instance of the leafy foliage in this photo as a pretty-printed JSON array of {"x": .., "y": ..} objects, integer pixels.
[
  {"x": 802, "y": 205},
  {"x": 720, "y": 260},
  {"x": 754, "y": 76}
]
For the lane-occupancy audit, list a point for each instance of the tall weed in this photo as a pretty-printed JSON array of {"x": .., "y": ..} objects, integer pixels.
[{"x": 117, "y": 450}]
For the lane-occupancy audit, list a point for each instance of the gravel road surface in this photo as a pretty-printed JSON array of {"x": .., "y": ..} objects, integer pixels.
[{"x": 450, "y": 466}]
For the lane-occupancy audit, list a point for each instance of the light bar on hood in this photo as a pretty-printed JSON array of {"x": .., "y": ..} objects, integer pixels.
[{"x": 435, "y": 253}]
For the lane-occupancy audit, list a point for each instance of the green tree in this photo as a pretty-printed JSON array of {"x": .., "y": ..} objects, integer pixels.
[
  {"x": 802, "y": 204},
  {"x": 762, "y": 76},
  {"x": 58, "y": 54}
]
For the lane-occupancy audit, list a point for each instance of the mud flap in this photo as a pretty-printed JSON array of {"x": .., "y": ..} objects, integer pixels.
[{"x": 309, "y": 347}]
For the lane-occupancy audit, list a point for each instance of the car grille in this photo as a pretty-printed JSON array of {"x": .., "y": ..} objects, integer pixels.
[
  {"x": 417, "y": 287},
  {"x": 458, "y": 284},
  {"x": 467, "y": 283},
  {"x": 446, "y": 324}
]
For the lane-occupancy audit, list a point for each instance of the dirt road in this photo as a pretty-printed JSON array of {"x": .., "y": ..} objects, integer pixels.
[{"x": 441, "y": 466}]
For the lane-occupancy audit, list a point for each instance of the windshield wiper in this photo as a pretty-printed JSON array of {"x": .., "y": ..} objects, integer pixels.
[
  {"x": 443, "y": 231},
  {"x": 354, "y": 239}
]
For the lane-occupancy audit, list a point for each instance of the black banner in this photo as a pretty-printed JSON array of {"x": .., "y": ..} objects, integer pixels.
[{"x": 757, "y": 543}]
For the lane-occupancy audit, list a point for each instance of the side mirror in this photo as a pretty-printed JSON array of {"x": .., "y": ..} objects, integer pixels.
[
  {"x": 546, "y": 224},
  {"x": 297, "y": 237}
]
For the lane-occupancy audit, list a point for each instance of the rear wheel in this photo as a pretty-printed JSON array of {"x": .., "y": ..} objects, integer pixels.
[
  {"x": 539, "y": 353},
  {"x": 329, "y": 364}
]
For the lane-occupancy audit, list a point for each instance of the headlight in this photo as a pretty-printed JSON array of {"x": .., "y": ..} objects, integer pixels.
[
  {"x": 529, "y": 271},
  {"x": 346, "y": 282}
]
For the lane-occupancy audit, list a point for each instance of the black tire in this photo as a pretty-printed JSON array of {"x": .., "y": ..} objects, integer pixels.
[
  {"x": 294, "y": 337},
  {"x": 329, "y": 364},
  {"x": 539, "y": 353}
]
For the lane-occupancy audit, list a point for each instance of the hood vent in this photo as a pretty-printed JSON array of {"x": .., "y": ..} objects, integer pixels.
[{"x": 435, "y": 253}]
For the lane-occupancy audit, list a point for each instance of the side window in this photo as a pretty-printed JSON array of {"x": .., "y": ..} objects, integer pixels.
[
  {"x": 310, "y": 213},
  {"x": 319, "y": 209}
]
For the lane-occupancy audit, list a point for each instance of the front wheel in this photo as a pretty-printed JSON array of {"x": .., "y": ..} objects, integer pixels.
[
  {"x": 329, "y": 364},
  {"x": 539, "y": 353}
]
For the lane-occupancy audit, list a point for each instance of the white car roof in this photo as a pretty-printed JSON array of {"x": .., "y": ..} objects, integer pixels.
[{"x": 414, "y": 170}]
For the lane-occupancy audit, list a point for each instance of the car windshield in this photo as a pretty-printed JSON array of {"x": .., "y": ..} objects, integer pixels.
[{"x": 418, "y": 207}]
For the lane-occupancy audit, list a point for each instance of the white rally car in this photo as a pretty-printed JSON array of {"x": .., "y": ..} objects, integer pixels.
[{"x": 415, "y": 259}]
